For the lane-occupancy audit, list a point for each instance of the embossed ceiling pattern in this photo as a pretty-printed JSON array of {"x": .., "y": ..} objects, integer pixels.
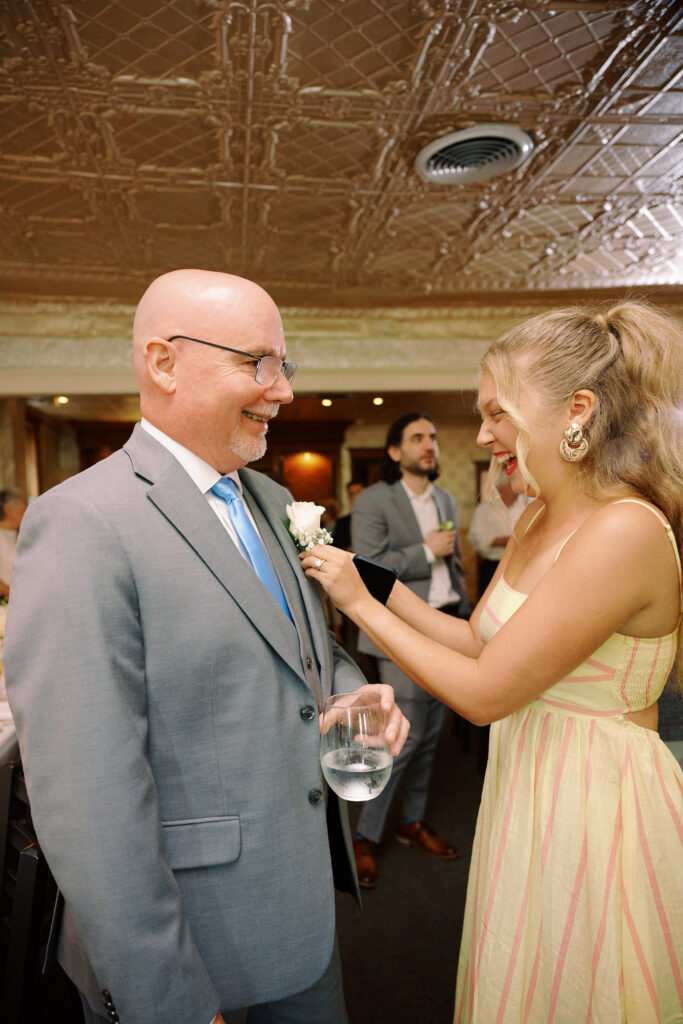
[{"x": 276, "y": 139}]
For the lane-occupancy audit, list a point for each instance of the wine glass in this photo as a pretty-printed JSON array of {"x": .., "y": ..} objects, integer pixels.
[{"x": 355, "y": 756}]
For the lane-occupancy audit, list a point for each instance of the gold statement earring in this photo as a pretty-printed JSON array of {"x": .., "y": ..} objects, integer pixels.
[{"x": 574, "y": 444}]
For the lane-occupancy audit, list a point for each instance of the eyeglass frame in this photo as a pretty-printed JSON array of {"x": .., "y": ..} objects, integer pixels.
[{"x": 287, "y": 369}]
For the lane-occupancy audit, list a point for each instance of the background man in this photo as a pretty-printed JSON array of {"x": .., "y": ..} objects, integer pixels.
[
  {"x": 12, "y": 508},
  {"x": 166, "y": 660},
  {"x": 397, "y": 522},
  {"x": 492, "y": 523}
]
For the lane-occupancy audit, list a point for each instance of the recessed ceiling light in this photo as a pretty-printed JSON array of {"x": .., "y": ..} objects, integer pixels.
[
  {"x": 378, "y": 400},
  {"x": 60, "y": 400},
  {"x": 327, "y": 402}
]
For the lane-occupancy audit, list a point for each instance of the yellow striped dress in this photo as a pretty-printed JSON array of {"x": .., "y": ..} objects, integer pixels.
[{"x": 574, "y": 907}]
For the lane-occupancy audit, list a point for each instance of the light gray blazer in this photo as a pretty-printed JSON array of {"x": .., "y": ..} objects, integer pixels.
[
  {"x": 167, "y": 720},
  {"x": 384, "y": 527}
]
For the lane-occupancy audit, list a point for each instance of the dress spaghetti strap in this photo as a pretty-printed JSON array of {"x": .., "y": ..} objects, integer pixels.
[
  {"x": 665, "y": 523},
  {"x": 656, "y": 512},
  {"x": 533, "y": 519}
]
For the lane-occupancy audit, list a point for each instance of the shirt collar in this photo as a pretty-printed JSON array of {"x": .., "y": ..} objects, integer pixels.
[
  {"x": 425, "y": 496},
  {"x": 199, "y": 471}
]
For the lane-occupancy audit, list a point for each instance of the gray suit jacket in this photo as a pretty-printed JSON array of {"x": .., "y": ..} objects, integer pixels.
[
  {"x": 384, "y": 527},
  {"x": 167, "y": 720}
]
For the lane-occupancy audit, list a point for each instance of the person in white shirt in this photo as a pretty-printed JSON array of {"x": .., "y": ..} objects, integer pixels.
[
  {"x": 491, "y": 527},
  {"x": 12, "y": 508},
  {"x": 410, "y": 524}
]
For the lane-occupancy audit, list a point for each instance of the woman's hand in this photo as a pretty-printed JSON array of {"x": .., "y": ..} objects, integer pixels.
[{"x": 334, "y": 569}]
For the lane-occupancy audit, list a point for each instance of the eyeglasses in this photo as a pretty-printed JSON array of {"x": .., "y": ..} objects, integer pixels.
[{"x": 268, "y": 368}]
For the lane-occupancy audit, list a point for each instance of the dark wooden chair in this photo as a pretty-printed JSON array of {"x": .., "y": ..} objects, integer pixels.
[{"x": 30, "y": 906}]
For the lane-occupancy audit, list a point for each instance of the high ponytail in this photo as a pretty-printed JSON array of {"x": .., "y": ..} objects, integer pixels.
[
  {"x": 630, "y": 358},
  {"x": 637, "y": 429}
]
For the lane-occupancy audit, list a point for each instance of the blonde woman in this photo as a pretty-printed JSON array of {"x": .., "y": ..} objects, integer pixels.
[{"x": 575, "y": 899}]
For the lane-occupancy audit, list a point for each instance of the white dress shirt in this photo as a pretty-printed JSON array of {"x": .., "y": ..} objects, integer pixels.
[
  {"x": 440, "y": 589},
  {"x": 8, "y": 548},
  {"x": 204, "y": 476},
  {"x": 491, "y": 520}
]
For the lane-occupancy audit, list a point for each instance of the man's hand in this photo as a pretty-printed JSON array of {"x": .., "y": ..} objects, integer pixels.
[{"x": 441, "y": 542}]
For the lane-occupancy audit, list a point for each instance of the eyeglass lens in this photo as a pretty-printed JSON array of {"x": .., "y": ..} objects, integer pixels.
[{"x": 269, "y": 369}]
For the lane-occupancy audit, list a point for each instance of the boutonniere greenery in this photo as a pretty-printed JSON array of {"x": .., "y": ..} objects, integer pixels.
[{"x": 304, "y": 524}]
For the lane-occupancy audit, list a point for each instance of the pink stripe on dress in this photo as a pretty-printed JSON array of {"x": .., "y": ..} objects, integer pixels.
[
  {"x": 568, "y": 928},
  {"x": 474, "y": 936},
  {"x": 544, "y": 856},
  {"x": 576, "y": 890},
  {"x": 590, "y": 712},
  {"x": 534, "y": 976},
  {"x": 556, "y": 789},
  {"x": 487, "y": 611},
  {"x": 463, "y": 995},
  {"x": 627, "y": 673},
  {"x": 501, "y": 846},
  {"x": 678, "y": 824},
  {"x": 500, "y": 1017},
  {"x": 649, "y": 983},
  {"x": 521, "y": 920},
  {"x": 606, "y": 673},
  {"x": 659, "y": 903},
  {"x": 602, "y": 927},
  {"x": 673, "y": 645},
  {"x": 652, "y": 671}
]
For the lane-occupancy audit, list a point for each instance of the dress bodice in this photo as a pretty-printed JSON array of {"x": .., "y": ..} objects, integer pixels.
[{"x": 626, "y": 673}]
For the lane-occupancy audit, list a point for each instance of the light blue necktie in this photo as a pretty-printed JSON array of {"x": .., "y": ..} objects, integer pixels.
[{"x": 252, "y": 545}]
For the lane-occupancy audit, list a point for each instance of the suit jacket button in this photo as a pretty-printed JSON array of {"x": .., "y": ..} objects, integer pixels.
[
  {"x": 307, "y": 712},
  {"x": 315, "y": 796},
  {"x": 309, "y": 662},
  {"x": 106, "y": 993}
]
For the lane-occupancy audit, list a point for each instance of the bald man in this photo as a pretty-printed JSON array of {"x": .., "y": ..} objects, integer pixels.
[{"x": 166, "y": 660}]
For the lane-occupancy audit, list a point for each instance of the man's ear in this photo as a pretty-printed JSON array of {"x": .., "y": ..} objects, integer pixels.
[
  {"x": 160, "y": 359},
  {"x": 582, "y": 406},
  {"x": 394, "y": 453}
]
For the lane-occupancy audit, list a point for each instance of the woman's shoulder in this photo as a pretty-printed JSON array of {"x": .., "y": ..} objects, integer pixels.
[
  {"x": 631, "y": 527},
  {"x": 632, "y": 512}
]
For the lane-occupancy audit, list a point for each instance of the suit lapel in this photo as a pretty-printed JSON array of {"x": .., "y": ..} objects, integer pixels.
[
  {"x": 178, "y": 499},
  {"x": 300, "y": 592},
  {"x": 404, "y": 507}
]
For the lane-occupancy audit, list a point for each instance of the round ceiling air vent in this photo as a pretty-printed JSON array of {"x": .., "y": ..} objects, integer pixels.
[{"x": 474, "y": 154}]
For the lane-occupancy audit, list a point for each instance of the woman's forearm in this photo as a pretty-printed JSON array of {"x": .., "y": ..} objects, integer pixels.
[
  {"x": 440, "y": 670},
  {"x": 445, "y": 629}
]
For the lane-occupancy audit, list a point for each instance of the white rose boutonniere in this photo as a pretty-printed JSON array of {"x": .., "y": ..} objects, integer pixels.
[{"x": 304, "y": 524}]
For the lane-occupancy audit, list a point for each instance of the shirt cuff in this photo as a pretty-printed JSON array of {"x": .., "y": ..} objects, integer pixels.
[{"x": 429, "y": 554}]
